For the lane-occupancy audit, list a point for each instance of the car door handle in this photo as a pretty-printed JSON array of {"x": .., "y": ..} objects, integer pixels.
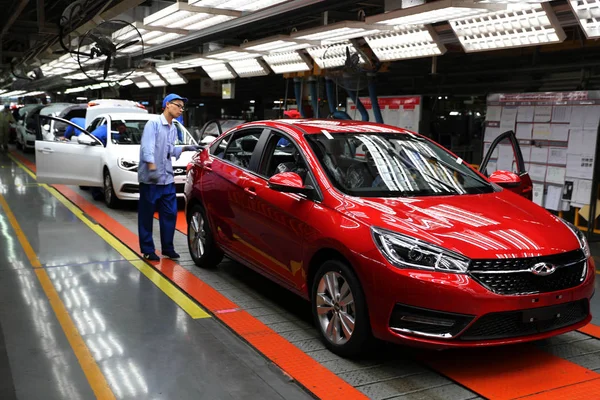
[
  {"x": 250, "y": 190},
  {"x": 46, "y": 150}
]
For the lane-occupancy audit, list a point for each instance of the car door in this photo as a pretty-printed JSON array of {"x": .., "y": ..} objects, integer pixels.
[
  {"x": 275, "y": 221},
  {"x": 69, "y": 162},
  {"x": 222, "y": 187},
  {"x": 501, "y": 150}
]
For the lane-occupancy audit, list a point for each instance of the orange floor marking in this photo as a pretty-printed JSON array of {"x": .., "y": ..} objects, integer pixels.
[
  {"x": 580, "y": 391},
  {"x": 181, "y": 224},
  {"x": 591, "y": 330},
  {"x": 509, "y": 372},
  {"x": 301, "y": 367}
]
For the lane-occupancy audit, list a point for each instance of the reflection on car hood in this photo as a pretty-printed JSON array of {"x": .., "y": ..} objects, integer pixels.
[
  {"x": 494, "y": 225},
  {"x": 131, "y": 152}
]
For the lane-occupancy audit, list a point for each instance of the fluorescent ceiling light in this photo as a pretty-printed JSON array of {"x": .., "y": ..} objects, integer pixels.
[
  {"x": 411, "y": 42},
  {"x": 172, "y": 76},
  {"x": 277, "y": 44},
  {"x": 240, "y": 5},
  {"x": 524, "y": 25},
  {"x": 187, "y": 62},
  {"x": 248, "y": 68},
  {"x": 588, "y": 14},
  {"x": 337, "y": 32},
  {"x": 282, "y": 63},
  {"x": 231, "y": 54},
  {"x": 185, "y": 16},
  {"x": 142, "y": 83},
  {"x": 218, "y": 72},
  {"x": 435, "y": 11},
  {"x": 333, "y": 55}
]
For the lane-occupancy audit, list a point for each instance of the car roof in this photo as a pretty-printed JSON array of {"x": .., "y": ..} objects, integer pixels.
[
  {"x": 314, "y": 126},
  {"x": 126, "y": 115},
  {"x": 54, "y": 107}
]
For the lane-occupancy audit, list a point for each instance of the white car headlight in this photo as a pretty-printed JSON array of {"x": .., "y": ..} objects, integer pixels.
[
  {"x": 127, "y": 165},
  {"x": 406, "y": 252},
  {"x": 583, "y": 243}
]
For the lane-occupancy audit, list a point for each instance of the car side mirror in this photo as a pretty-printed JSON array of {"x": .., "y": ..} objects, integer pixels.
[
  {"x": 85, "y": 139},
  {"x": 289, "y": 182},
  {"x": 46, "y": 127},
  {"x": 505, "y": 179}
]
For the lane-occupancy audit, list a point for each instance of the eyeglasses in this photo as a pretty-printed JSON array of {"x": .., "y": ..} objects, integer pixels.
[{"x": 181, "y": 106}]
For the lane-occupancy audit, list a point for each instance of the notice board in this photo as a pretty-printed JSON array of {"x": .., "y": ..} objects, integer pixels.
[
  {"x": 401, "y": 111},
  {"x": 557, "y": 133}
]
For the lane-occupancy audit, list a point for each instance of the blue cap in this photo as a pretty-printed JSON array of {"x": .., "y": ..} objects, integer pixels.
[{"x": 172, "y": 96}]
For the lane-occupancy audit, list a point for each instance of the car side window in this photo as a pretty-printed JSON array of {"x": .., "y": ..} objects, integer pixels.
[
  {"x": 95, "y": 123},
  {"x": 282, "y": 155},
  {"x": 217, "y": 149},
  {"x": 241, "y": 147}
]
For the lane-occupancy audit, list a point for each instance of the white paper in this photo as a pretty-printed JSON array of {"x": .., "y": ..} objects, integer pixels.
[
  {"x": 561, "y": 114},
  {"x": 557, "y": 155},
  {"x": 508, "y": 120},
  {"x": 538, "y": 194},
  {"x": 575, "y": 145},
  {"x": 577, "y": 117},
  {"x": 589, "y": 142},
  {"x": 491, "y": 167},
  {"x": 553, "y": 198},
  {"x": 491, "y": 133},
  {"x": 506, "y": 156},
  {"x": 525, "y": 114},
  {"x": 542, "y": 114},
  {"x": 524, "y": 131},
  {"x": 486, "y": 149},
  {"x": 539, "y": 154},
  {"x": 559, "y": 132},
  {"x": 493, "y": 113},
  {"x": 556, "y": 175},
  {"x": 580, "y": 166},
  {"x": 541, "y": 131},
  {"x": 582, "y": 190},
  {"x": 591, "y": 117},
  {"x": 537, "y": 172},
  {"x": 526, "y": 152}
]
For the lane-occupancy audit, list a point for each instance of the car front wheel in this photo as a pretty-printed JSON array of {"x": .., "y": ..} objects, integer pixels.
[
  {"x": 339, "y": 309},
  {"x": 201, "y": 243},
  {"x": 110, "y": 198}
]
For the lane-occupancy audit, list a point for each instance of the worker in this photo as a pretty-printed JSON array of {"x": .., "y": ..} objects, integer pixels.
[
  {"x": 73, "y": 131},
  {"x": 155, "y": 175},
  {"x": 100, "y": 133},
  {"x": 6, "y": 118}
]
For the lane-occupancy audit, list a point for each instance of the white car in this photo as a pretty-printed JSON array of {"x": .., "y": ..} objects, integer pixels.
[
  {"x": 25, "y": 126},
  {"x": 85, "y": 161}
]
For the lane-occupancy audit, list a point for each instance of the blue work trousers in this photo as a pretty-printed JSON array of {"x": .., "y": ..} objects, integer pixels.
[{"x": 163, "y": 198}]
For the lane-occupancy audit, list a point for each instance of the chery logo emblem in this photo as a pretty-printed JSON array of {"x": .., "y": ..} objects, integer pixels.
[
  {"x": 543, "y": 269},
  {"x": 178, "y": 171}
]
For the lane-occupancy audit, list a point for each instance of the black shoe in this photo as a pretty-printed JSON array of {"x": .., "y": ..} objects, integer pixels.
[
  {"x": 170, "y": 254},
  {"x": 151, "y": 257}
]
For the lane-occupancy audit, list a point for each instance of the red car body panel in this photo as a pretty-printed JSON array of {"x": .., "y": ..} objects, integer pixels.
[{"x": 279, "y": 235}]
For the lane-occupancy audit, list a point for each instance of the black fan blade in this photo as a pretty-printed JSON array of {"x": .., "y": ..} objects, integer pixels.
[
  {"x": 107, "y": 65},
  {"x": 127, "y": 44}
]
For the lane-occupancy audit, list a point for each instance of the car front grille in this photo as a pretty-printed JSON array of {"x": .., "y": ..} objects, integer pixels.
[
  {"x": 526, "y": 322},
  {"x": 513, "y": 276}
]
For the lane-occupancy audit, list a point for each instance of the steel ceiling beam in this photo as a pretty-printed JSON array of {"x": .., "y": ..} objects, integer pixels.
[{"x": 20, "y": 7}]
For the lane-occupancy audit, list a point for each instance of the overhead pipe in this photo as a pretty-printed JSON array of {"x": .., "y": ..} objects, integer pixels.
[
  {"x": 359, "y": 105},
  {"x": 298, "y": 93},
  {"x": 374, "y": 100}
]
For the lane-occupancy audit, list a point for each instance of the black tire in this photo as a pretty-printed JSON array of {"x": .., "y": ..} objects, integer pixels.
[
  {"x": 211, "y": 255},
  {"x": 110, "y": 198},
  {"x": 361, "y": 336}
]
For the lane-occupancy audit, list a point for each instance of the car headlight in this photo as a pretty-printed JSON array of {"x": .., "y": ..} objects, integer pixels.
[
  {"x": 127, "y": 165},
  {"x": 583, "y": 243},
  {"x": 410, "y": 253}
]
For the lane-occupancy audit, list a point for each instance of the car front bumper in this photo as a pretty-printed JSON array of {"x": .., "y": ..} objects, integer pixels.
[
  {"x": 129, "y": 189},
  {"x": 441, "y": 310}
]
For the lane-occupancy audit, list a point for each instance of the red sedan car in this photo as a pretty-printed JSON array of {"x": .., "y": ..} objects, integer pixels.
[{"x": 388, "y": 234}]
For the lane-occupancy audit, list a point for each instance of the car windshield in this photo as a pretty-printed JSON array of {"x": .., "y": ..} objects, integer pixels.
[
  {"x": 127, "y": 131},
  {"x": 393, "y": 165}
]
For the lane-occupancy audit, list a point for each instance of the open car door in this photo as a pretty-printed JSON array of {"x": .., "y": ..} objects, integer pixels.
[
  {"x": 503, "y": 164},
  {"x": 68, "y": 162}
]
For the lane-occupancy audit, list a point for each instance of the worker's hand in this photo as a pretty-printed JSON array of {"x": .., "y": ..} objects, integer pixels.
[
  {"x": 151, "y": 166},
  {"x": 192, "y": 148},
  {"x": 153, "y": 176}
]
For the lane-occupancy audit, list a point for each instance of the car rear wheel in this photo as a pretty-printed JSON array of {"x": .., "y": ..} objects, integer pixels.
[
  {"x": 201, "y": 243},
  {"x": 110, "y": 198},
  {"x": 339, "y": 309}
]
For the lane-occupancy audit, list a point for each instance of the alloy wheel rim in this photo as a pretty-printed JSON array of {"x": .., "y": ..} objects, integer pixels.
[
  {"x": 197, "y": 235},
  {"x": 335, "y": 308},
  {"x": 107, "y": 188}
]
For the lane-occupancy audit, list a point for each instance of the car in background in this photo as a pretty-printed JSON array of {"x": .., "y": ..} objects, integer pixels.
[
  {"x": 214, "y": 128},
  {"x": 388, "y": 234},
  {"x": 25, "y": 126},
  {"x": 111, "y": 106},
  {"x": 87, "y": 162}
]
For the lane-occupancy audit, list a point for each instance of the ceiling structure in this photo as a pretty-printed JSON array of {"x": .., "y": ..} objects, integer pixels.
[{"x": 451, "y": 35}]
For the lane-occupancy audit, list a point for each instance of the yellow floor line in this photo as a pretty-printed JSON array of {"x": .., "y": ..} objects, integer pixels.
[
  {"x": 91, "y": 370},
  {"x": 172, "y": 291}
]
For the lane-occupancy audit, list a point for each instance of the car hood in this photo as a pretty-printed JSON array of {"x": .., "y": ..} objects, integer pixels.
[
  {"x": 492, "y": 225},
  {"x": 131, "y": 152}
]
